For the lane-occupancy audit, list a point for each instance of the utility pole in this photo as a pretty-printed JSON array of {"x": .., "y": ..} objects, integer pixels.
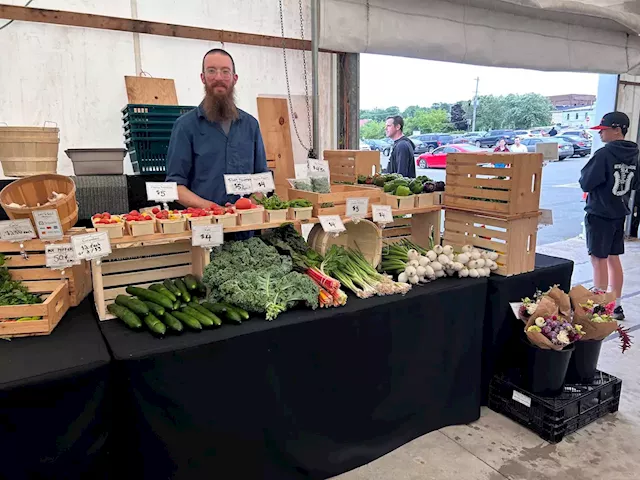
[{"x": 475, "y": 106}]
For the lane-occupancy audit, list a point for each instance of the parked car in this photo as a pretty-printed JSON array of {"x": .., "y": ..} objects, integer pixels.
[
  {"x": 528, "y": 133},
  {"x": 433, "y": 140},
  {"x": 377, "y": 145},
  {"x": 438, "y": 158},
  {"x": 493, "y": 137},
  {"x": 581, "y": 146},
  {"x": 419, "y": 147},
  {"x": 364, "y": 146},
  {"x": 565, "y": 149},
  {"x": 575, "y": 133}
]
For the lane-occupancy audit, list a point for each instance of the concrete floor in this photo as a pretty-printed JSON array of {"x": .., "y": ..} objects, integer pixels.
[{"x": 495, "y": 448}]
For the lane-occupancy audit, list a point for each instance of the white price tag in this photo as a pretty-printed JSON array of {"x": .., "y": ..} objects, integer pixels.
[
  {"x": 318, "y": 168},
  {"x": 357, "y": 207},
  {"x": 262, "y": 182},
  {"x": 238, "y": 184},
  {"x": 331, "y": 223},
  {"x": 207, "y": 236},
  {"x": 521, "y": 398},
  {"x": 16, "y": 230},
  {"x": 162, "y": 191},
  {"x": 48, "y": 224},
  {"x": 91, "y": 245},
  {"x": 302, "y": 170},
  {"x": 60, "y": 256},
  {"x": 381, "y": 213}
]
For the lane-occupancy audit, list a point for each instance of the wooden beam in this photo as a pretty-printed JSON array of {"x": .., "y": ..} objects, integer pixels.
[
  {"x": 631, "y": 84},
  {"x": 87, "y": 20}
]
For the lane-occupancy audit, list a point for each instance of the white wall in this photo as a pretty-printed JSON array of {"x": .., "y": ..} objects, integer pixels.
[{"x": 75, "y": 76}]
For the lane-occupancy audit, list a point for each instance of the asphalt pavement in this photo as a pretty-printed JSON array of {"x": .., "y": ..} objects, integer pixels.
[{"x": 560, "y": 193}]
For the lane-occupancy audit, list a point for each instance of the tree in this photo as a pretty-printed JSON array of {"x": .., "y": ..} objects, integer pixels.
[
  {"x": 372, "y": 130},
  {"x": 459, "y": 117},
  {"x": 412, "y": 110},
  {"x": 428, "y": 121},
  {"x": 513, "y": 111},
  {"x": 379, "y": 114}
]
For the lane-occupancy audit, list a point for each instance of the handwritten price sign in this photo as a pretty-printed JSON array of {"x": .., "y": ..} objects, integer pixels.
[
  {"x": 381, "y": 213},
  {"x": 331, "y": 223},
  {"x": 262, "y": 182},
  {"x": 162, "y": 191},
  {"x": 16, "y": 230},
  {"x": 318, "y": 167},
  {"x": 60, "y": 256},
  {"x": 91, "y": 245},
  {"x": 238, "y": 184},
  {"x": 48, "y": 224},
  {"x": 357, "y": 207},
  {"x": 207, "y": 236}
]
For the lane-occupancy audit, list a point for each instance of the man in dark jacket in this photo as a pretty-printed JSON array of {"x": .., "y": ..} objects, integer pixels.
[
  {"x": 401, "y": 160},
  {"x": 608, "y": 177}
]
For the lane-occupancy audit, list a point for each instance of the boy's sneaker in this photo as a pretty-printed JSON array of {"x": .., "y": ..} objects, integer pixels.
[{"x": 618, "y": 313}]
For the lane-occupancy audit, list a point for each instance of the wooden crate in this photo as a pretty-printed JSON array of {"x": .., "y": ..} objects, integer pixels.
[
  {"x": 514, "y": 240},
  {"x": 338, "y": 196},
  {"x": 473, "y": 183},
  {"x": 300, "y": 213},
  {"x": 274, "y": 216},
  {"x": 114, "y": 230},
  {"x": 138, "y": 229},
  {"x": 226, "y": 220},
  {"x": 33, "y": 269},
  {"x": 415, "y": 227},
  {"x": 52, "y": 310},
  {"x": 176, "y": 225},
  {"x": 398, "y": 202},
  {"x": 346, "y": 165},
  {"x": 428, "y": 199},
  {"x": 141, "y": 264}
]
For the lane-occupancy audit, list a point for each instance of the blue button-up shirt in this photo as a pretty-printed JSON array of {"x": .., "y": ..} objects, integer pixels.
[{"x": 200, "y": 153}]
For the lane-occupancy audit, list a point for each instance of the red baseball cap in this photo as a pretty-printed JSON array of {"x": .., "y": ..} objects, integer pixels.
[{"x": 613, "y": 120}]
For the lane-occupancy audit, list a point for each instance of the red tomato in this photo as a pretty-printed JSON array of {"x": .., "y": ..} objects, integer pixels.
[
  {"x": 155, "y": 210},
  {"x": 97, "y": 216},
  {"x": 106, "y": 215},
  {"x": 134, "y": 212},
  {"x": 244, "y": 204}
]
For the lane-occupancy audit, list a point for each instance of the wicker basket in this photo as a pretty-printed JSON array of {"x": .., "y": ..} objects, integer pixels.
[
  {"x": 32, "y": 191},
  {"x": 364, "y": 235},
  {"x": 26, "y": 151}
]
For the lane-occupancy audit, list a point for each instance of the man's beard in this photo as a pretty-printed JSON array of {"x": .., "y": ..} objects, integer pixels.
[{"x": 220, "y": 107}]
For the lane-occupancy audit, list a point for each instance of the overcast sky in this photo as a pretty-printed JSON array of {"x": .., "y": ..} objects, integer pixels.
[{"x": 386, "y": 81}]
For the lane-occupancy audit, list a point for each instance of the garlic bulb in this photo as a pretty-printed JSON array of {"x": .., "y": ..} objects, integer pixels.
[
  {"x": 438, "y": 249},
  {"x": 447, "y": 250},
  {"x": 432, "y": 256},
  {"x": 464, "y": 272}
]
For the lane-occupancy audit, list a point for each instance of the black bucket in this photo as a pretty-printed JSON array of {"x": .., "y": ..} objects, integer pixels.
[
  {"x": 584, "y": 361},
  {"x": 546, "y": 370}
]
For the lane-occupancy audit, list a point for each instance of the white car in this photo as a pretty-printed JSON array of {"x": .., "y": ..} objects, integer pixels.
[{"x": 364, "y": 146}]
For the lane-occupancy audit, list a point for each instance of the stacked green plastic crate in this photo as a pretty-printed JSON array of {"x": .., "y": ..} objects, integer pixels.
[{"x": 147, "y": 130}]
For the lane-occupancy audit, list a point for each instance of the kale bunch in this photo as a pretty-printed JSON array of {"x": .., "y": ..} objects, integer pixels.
[{"x": 13, "y": 292}]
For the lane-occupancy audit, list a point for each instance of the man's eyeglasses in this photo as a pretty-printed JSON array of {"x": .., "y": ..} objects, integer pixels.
[{"x": 224, "y": 72}]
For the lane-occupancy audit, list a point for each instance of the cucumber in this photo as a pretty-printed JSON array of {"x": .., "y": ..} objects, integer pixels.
[
  {"x": 186, "y": 296},
  {"x": 168, "y": 284},
  {"x": 190, "y": 282},
  {"x": 156, "y": 287},
  {"x": 155, "y": 308},
  {"x": 126, "y": 315},
  {"x": 199, "y": 308},
  {"x": 155, "y": 325},
  {"x": 188, "y": 320},
  {"x": 176, "y": 305},
  {"x": 229, "y": 314},
  {"x": 243, "y": 313},
  {"x": 216, "y": 308},
  {"x": 133, "y": 304},
  {"x": 152, "y": 296},
  {"x": 232, "y": 316},
  {"x": 172, "y": 322},
  {"x": 203, "y": 319}
]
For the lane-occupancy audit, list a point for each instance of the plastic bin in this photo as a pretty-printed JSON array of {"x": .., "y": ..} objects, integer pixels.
[
  {"x": 139, "y": 112},
  {"x": 97, "y": 161},
  {"x": 552, "y": 418},
  {"x": 148, "y": 156}
]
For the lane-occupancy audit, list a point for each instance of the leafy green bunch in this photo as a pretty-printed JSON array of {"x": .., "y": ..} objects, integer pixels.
[{"x": 13, "y": 292}]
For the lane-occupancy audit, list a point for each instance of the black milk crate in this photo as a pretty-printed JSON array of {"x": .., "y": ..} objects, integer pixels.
[{"x": 552, "y": 418}]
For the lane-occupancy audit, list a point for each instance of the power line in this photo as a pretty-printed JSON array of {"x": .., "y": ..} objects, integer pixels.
[{"x": 11, "y": 21}]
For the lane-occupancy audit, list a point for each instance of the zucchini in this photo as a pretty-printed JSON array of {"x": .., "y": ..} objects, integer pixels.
[
  {"x": 188, "y": 320},
  {"x": 199, "y": 308},
  {"x": 155, "y": 325},
  {"x": 243, "y": 313},
  {"x": 155, "y": 308},
  {"x": 152, "y": 296},
  {"x": 186, "y": 296},
  {"x": 133, "y": 304},
  {"x": 203, "y": 319},
  {"x": 172, "y": 322},
  {"x": 156, "y": 287},
  {"x": 190, "y": 282},
  {"x": 126, "y": 315},
  {"x": 168, "y": 284}
]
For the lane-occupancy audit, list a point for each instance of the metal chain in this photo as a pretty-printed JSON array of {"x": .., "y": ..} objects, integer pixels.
[{"x": 286, "y": 74}]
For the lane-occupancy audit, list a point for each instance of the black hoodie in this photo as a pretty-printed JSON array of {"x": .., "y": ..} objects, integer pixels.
[
  {"x": 609, "y": 177},
  {"x": 402, "y": 160}
]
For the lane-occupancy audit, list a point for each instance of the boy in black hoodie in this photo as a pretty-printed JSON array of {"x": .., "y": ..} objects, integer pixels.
[{"x": 610, "y": 175}]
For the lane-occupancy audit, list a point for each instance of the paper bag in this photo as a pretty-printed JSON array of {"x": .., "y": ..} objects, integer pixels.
[
  {"x": 562, "y": 300},
  {"x": 546, "y": 308},
  {"x": 597, "y": 331},
  {"x": 580, "y": 294}
]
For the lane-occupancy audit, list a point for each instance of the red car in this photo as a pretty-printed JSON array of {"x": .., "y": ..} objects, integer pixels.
[{"x": 438, "y": 158}]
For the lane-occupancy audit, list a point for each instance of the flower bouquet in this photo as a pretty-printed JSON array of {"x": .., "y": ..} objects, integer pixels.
[
  {"x": 561, "y": 299},
  {"x": 552, "y": 333},
  {"x": 540, "y": 306}
]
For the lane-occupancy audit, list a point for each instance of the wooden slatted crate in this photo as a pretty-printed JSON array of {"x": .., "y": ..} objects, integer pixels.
[
  {"x": 141, "y": 264},
  {"x": 34, "y": 269},
  {"x": 338, "y": 196},
  {"x": 417, "y": 228},
  {"x": 346, "y": 165},
  {"x": 52, "y": 309},
  {"x": 475, "y": 184},
  {"x": 514, "y": 240}
]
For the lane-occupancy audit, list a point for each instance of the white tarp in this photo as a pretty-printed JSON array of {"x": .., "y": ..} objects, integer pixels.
[{"x": 566, "y": 35}]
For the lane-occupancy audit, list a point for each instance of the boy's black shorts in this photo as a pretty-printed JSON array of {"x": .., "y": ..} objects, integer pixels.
[{"x": 605, "y": 236}]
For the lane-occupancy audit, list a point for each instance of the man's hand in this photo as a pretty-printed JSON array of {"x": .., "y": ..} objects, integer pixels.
[{"x": 189, "y": 199}]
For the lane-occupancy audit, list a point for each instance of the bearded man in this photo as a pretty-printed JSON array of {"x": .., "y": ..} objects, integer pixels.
[{"x": 214, "y": 139}]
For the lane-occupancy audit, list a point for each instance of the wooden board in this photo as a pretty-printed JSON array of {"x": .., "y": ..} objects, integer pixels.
[
  {"x": 273, "y": 115},
  {"x": 346, "y": 165},
  {"x": 151, "y": 91}
]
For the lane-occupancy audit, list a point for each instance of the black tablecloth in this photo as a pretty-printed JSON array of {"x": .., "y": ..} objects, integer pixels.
[
  {"x": 310, "y": 395},
  {"x": 54, "y": 408},
  {"x": 502, "y": 330}
]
